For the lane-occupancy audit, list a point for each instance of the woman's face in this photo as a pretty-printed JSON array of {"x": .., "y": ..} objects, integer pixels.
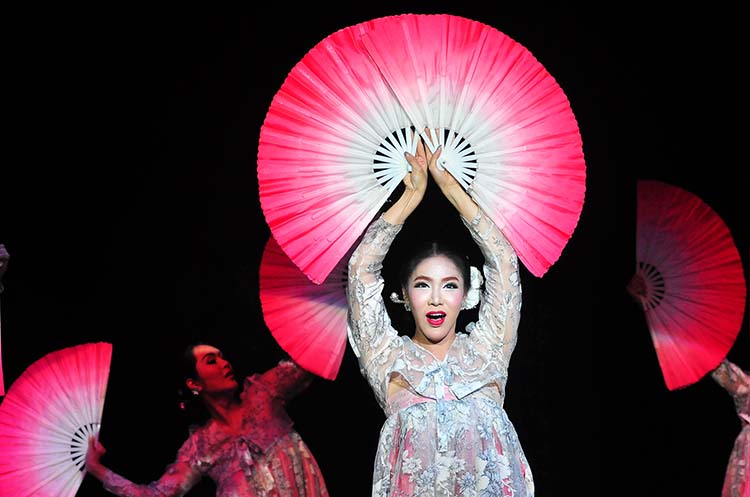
[
  {"x": 215, "y": 374},
  {"x": 436, "y": 290}
]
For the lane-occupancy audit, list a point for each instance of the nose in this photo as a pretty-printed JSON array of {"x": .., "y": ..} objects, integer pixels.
[
  {"x": 435, "y": 297},
  {"x": 226, "y": 368}
]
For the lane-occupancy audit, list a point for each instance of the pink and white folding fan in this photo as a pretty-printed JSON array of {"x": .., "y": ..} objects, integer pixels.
[
  {"x": 46, "y": 420},
  {"x": 331, "y": 147},
  {"x": 688, "y": 279},
  {"x": 307, "y": 320}
]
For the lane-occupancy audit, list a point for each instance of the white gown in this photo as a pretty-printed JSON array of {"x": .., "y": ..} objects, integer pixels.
[{"x": 446, "y": 432}]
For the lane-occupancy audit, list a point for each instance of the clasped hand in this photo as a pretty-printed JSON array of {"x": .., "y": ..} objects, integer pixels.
[{"x": 424, "y": 160}]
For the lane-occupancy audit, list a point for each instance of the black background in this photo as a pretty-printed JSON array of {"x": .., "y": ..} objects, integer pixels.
[{"x": 129, "y": 206}]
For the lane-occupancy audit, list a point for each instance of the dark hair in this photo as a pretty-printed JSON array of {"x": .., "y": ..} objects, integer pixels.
[
  {"x": 189, "y": 403},
  {"x": 432, "y": 249}
]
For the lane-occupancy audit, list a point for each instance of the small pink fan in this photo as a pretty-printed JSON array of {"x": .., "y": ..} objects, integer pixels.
[
  {"x": 46, "y": 420},
  {"x": 331, "y": 147},
  {"x": 307, "y": 320},
  {"x": 688, "y": 279}
]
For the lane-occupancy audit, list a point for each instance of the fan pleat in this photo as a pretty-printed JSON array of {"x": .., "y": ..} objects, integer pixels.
[
  {"x": 696, "y": 317},
  {"x": 340, "y": 117},
  {"x": 532, "y": 112},
  {"x": 307, "y": 320},
  {"x": 47, "y": 417}
]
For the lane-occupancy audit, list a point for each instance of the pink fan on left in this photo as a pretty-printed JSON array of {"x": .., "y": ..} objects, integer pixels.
[
  {"x": 307, "y": 320},
  {"x": 46, "y": 420}
]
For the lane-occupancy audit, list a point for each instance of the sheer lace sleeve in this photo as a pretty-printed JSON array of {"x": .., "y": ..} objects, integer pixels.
[
  {"x": 731, "y": 378},
  {"x": 179, "y": 478},
  {"x": 371, "y": 336},
  {"x": 500, "y": 307},
  {"x": 286, "y": 379}
]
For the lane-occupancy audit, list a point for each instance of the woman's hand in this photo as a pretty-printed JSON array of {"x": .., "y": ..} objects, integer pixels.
[
  {"x": 93, "y": 456},
  {"x": 450, "y": 187},
  {"x": 442, "y": 177},
  {"x": 416, "y": 180},
  {"x": 4, "y": 258},
  {"x": 415, "y": 186},
  {"x": 637, "y": 287}
]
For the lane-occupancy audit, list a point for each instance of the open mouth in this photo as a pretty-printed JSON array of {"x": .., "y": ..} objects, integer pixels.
[{"x": 435, "y": 318}]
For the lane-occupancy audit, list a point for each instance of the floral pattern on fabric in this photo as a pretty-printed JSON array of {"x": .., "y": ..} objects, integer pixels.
[
  {"x": 737, "y": 383},
  {"x": 446, "y": 432},
  {"x": 268, "y": 459}
]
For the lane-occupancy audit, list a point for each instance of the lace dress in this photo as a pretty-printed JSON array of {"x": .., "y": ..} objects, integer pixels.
[
  {"x": 446, "y": 432},
  {"x": 269, "y": 459},
  {"x": 737, "y": 383}
]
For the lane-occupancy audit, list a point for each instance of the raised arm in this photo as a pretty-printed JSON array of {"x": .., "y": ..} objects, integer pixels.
[
  {"x": 731, "y": 378},
  {"x": 451, "y": 188},
  {"x": 287, "y": 379},
  {"x": 500, "y": 308},
  {"x": 179, "y": 478},
  {"x": 365, "y": 263},
  {"x": 415, "y": 186},
  {"x": 371, "y": 336}
]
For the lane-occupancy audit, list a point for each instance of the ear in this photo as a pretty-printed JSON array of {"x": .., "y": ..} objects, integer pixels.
[
  {"x": 193, "y": 385},
  {"x": 405, "y": 293}
]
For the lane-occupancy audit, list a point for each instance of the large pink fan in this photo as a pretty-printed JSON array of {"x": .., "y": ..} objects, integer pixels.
[
  {"x": 307, "y": 320},
  {"x": 688, "y": 279},
  {"x": 332, "y": 143},
  {"x": 46, "y": 420}
]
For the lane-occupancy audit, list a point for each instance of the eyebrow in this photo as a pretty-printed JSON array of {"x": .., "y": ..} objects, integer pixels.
[
  {"x": 210, "y": 355},
  {"x": 448, "y": 278}
]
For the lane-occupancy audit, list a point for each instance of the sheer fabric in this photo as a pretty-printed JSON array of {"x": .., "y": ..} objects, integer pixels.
[
  {"x": 446, "y": 432},
  {"x": 737, "y": 383},
  {"x": 268, "y": 459}
]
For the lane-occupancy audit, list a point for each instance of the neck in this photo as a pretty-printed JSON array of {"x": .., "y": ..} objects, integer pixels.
[
  {"x": 438, "y": 349},
  {"x": 221, "y": 407}
]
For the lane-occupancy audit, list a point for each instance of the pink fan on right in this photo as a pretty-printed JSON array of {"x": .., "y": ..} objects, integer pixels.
[{"x": 689, "y": 281}]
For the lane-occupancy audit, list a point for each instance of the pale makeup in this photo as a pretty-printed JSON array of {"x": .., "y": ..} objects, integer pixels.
[{"x": 436, "y": 290}]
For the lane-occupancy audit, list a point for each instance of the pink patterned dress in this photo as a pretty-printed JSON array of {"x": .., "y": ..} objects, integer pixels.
[
  {"x": 446, "y": 432},
  {"x": 269, "y": 459},
  {"x": 737, "y": 383}
]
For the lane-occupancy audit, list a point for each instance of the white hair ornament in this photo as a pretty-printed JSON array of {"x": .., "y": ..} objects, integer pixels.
[
  {"x": 397, "y": 300},
  {"x": 473, "y": 296}
]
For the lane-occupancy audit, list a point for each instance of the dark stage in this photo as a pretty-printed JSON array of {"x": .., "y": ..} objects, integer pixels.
[{"x": 129, "y": 206}]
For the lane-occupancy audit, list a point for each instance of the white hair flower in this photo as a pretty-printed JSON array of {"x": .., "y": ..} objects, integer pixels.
[{"x": 475, "y": 289}]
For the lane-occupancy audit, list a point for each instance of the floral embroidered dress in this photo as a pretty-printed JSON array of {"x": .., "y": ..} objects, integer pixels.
[
  {"x": 737, "y": 383},
  {"x": 446, "y": 432},
  {"x": 269, "y": 459}
]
